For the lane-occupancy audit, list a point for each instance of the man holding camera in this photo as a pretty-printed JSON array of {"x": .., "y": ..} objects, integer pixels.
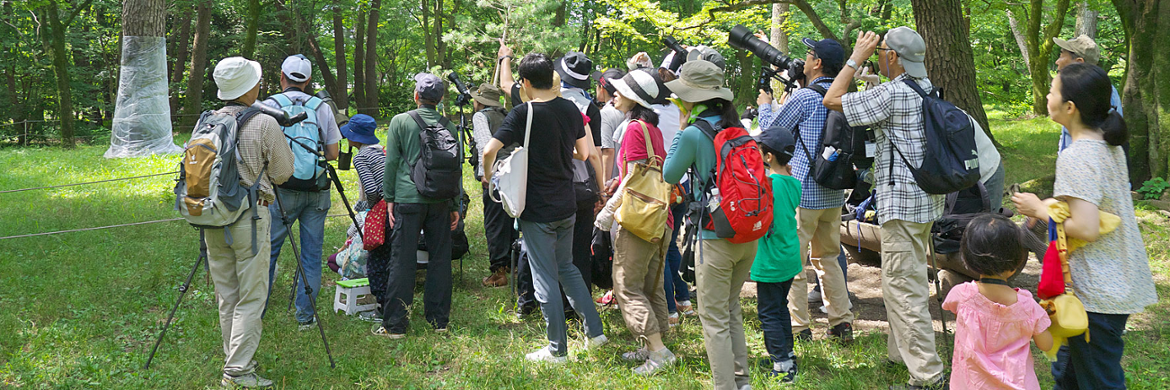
[
  {"x": 303, "y": 202},
  {"x": 409, "y": 213},
  {"x": 819, "y": 215},
  {"x": 234, "y": 264},
  {"x": 906, "y": 212},
  {"x": 498, "y": 227}
]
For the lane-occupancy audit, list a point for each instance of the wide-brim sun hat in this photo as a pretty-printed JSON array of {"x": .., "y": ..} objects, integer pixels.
[
  {"x": 361, "y": 129},
  {"x": 638, "y": 85},
  {"x": 488, "y": 95},
  {"x": 700, "y": 81},
  {"x": 235, "y": 76}
]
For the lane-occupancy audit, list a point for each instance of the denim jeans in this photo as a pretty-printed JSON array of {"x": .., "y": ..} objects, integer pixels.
[
  {"x": 310, "y": 208},
  {"x": 775, "y": 320},
  {"x": 550, "y": 254},
  {"x": 1095, "y": 364},
  {"x": 676, "y": 288}
]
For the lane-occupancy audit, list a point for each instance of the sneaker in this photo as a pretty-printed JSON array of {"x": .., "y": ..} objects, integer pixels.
[
  {"x": 686, "y": 308},
  {"x": 303, "y": 326},
  {"x": 596, "y": 342},
  {"x": 641, "y": 354},
  {"x": 381, "y": 331},
  {"x": 247, "y": 381},
  {"x": 814, "y": 297},
  {"x": 825, "y": 310},
  {"x": 785, "y": 371},
  {"x": 804, "y": 335},
  {"x": 673, "y": 320},
  {"x": 496, "y": 279},
  {"x": 843, "y": 332},
  {"x": 545, "y": 355},
  {"x": 370, "y": 316},
  {"x": 655, "y": 362},
  {"x": 441, "y": 330},
  {"x": 525, "y": 311},
  {"x": 942, "y": 384}
]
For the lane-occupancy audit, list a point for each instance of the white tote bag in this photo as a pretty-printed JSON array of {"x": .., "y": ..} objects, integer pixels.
[{"x": 511, "y": 176}]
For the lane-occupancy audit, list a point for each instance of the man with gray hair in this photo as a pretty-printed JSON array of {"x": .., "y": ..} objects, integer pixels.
[{"x": 906, "y": 212}]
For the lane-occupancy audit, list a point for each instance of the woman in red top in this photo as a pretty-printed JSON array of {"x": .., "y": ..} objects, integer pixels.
[{"x": 637, "y": 263}]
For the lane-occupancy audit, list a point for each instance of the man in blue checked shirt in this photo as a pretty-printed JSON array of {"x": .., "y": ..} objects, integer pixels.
[{"x": 819, "y": 214}]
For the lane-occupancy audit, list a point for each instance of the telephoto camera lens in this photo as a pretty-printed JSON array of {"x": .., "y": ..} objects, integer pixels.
[{"x": 742, "y": 38}]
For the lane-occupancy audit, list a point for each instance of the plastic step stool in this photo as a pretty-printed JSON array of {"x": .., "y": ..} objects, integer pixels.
[{"x": 353, "y": 290}]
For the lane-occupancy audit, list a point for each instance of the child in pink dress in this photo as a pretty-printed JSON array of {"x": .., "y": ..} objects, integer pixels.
[{"x": 995, "y": 322}]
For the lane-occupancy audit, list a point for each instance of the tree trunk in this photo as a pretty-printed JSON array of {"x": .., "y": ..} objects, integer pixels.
[
  {"x": 56, "y": 43},
  {"x": 340, "y": 93},
  {"x": 142, "y": 120},
  {"x": 950, "y": 62},
  {"x": 778, "y": 36},
  {"x": 198, "y": 64},
  {"x": 249, "y": 49},
  {"x": 1086, "y": 20},
  {"x": 1040, "y": 45},
  {"x": 359, "y": 62},
  {"x": 1021, "y": 41},
  {"x": 1146, "y": 95},
  {"x": 182, "y": 50},
  {"x": 371, "y": 77},
  {"x": 302, "y": 34}
]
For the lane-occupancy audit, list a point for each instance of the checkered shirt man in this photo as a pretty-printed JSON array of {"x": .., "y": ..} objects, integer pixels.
[{"x": 805, "y": 112}]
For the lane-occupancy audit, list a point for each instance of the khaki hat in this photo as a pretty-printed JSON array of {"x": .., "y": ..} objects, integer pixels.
[
  {"x": 1082, "y": 46},
  {"x": 488, "y": 95},
  {"x": 910, "y": 48},
  {"x": 700, "y": 81},
  {"x": 235, "y": 76}
]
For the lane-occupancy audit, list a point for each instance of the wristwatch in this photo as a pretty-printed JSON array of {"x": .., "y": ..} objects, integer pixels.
[
  {"x": 502, "y": 58},
  {"x": 851, "y": 63}
]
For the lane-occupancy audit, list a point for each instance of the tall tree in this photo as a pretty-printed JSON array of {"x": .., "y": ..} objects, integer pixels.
[
  {"x": 253, "y": 25},
  {"x": 1086, "y": 20},
  {"x": 142, "y": 117},
  {"x": 198, "y": 65},
  {"x": 949, "y": 58},
  {"x": 371, "y": 73},
  {"x": 182, "y": 49},
  {"x": 1146, "y": 95},
  {"x": 54, "y": 40},
  {"x": 359, "y": 62},
  {"x": 1038, "y": 43},
  {"x": 340, "y": 94}
]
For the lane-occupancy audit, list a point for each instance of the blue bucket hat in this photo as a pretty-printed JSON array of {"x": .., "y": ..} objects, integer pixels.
[{"x": 361, "y": 129}]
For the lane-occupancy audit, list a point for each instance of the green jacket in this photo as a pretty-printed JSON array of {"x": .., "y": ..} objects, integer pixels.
[
  {"x": 402, "y": 150},
  {"x": 692, "y": 148}
]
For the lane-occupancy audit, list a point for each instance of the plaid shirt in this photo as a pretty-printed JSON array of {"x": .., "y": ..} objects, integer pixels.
[
  {"x": 262, "y": 143},
  {"x": 894, "y": 111},
  {"x": 805, "y": 111}
]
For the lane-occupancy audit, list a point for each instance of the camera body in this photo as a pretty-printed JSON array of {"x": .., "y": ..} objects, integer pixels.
[{"x": 680, "y": 53}]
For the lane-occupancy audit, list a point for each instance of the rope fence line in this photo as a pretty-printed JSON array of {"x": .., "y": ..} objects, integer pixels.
[
  {"x": 116, "y": 226},
  {"x": 85, "y": 183}
]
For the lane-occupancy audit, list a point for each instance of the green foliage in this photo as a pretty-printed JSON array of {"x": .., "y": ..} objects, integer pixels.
[{"x": 1153, "y": 188}]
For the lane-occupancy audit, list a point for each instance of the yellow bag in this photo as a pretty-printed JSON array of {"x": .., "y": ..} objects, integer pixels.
[
  {"x": 645, "y": 201},
  {"x": 1066, "y": 311}
]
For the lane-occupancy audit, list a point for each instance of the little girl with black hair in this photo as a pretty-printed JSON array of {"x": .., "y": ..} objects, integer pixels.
[{"x": 995, "y": 322}]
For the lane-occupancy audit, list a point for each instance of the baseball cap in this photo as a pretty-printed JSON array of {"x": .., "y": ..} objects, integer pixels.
[
  {"x": 1082, "y": 46},
  {"x": 297, "y": 68},
  {"x": 778, "y": 139},
  {"x": 830, "y": 52},
  {"x": 235, "y": 76},
  {"x": 707, "y": 54},
  {"x": 910, "y": 48},
  {"x": 429, "y": 87},
  {"x": 602, "y": 77}
]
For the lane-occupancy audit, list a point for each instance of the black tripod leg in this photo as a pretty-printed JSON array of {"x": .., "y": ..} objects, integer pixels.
[
  {"x": 341, "y": 191},
  {"x": 292, "y": 240},
  {"x": 182, "y": 292}
]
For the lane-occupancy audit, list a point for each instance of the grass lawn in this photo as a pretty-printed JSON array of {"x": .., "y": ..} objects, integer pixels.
[{"x": 82, "y": 310}]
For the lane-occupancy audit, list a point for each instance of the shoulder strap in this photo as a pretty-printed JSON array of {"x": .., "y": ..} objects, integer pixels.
[
  {"x": 528, "y": 126},
  {"x": 281, "y": 100},
  {"x": 913, "y": 85},
  {"x": 313, "y": 103},
  {"x": 706, "y": 128},
  {"x": 417, "y": 119},
  {"x": 819, "y": 89}
]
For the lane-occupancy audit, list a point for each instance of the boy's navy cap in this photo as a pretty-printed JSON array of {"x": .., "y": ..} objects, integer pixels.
[{"x": 778, "y": 139}]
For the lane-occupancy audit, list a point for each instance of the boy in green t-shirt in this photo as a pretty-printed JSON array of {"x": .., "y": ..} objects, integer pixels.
[{"x": 778, "y": 257}]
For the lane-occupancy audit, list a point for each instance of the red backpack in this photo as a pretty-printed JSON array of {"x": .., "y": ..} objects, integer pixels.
[{"x": 739, "y": 201}]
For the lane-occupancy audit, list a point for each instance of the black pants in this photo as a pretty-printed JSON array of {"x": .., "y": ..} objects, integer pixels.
[
  {"x": 500, "y": 231},
  {"x": 582, "y": 259},
  {"x": 409, "y": 219}
]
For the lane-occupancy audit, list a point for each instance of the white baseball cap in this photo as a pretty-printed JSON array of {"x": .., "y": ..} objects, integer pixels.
[
  {"x": 297, "y": 68},
  {"x": 235, "y": 76}
]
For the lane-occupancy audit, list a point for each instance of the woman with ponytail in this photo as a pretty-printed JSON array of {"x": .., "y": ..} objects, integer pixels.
[{"x": 1111, "y": 274}]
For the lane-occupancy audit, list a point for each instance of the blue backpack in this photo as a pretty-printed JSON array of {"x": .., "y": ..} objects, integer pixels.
[
  {"x": 951, "y": 160},
  {"x": 305, "y": 140}
]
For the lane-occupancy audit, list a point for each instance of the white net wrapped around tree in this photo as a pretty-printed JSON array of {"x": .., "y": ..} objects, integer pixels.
[{"x": 142, "y": 114}]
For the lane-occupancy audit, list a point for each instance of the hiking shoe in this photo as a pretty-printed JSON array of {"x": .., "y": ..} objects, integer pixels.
[
  {"x": 247, "y": 381},
  {"x": 843, "y": 332},
  {"x": 496, "y": 279},
  {"x": 942, "y": 384},
  {"x": 673, "y": 320},
  {"x": 655, "y": 362},
  {"x": 545, "y": 355},
  {"x": 596, "y": 342},
  {"x": 303, "y": 326},
  {"x": 641, "y": 354},
  {"x": 804, "y": 335},
  {"x": 686, "y": 308},
  {"x": 381, "y": 331},
  {"x": 785, "y": 371}
]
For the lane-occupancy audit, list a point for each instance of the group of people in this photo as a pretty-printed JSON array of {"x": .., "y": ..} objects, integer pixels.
[{"x": 586, "y": 148}]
